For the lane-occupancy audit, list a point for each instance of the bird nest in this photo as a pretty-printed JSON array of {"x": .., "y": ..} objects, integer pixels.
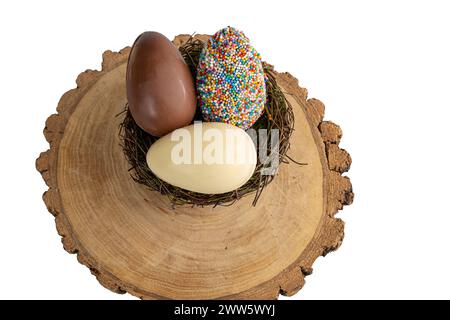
[{"x": 278, "y": 114}]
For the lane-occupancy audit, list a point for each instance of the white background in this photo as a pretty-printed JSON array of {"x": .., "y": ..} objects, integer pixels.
[{"x": 382, "y": 68}]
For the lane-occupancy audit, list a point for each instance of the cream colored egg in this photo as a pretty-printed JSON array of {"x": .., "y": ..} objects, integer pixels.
[{"x": 206, "y": 157}]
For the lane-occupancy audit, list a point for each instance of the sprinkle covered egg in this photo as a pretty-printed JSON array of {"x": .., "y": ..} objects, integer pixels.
[{"x": 230, "y": 80}]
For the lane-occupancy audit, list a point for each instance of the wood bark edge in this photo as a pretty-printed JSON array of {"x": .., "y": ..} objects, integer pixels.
[{"x": 338, "y": 189}]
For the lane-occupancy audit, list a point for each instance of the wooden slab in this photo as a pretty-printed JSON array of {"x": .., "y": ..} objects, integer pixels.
[{"x": 132, "y": 240}]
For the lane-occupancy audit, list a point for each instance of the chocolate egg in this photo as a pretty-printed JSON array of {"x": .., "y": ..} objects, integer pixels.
[
  {"x": 230, "y": 80},
  {"x": 160, "y": 88},
  {"x": 208, "y": 157}
]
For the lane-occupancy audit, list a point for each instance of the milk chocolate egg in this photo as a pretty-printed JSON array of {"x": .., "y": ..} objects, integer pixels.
[
  {"x": 160, "y": 88},
  {"x": 208, "y": 157}
]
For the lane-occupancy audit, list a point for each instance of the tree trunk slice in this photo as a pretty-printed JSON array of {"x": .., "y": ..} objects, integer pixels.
[{"x": 133, "y": 241}]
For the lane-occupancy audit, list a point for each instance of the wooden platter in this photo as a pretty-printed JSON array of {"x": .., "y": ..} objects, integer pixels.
[{"x": 133, "y": 241}]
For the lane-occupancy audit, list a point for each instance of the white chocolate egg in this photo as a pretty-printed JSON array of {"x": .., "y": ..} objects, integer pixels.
[{"x": 206, "y": 157}]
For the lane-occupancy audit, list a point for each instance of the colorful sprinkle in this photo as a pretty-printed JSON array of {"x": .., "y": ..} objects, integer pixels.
[{"x": 230, "y": 80}]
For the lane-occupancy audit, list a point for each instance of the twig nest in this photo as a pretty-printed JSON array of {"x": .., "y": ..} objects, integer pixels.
[
  {"x": 230, "y": 80},
  {"x": 276, "y": 118}
]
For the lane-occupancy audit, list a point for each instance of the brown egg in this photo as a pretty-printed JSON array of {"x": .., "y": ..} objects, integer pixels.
[{"x": 160, "y": 88}]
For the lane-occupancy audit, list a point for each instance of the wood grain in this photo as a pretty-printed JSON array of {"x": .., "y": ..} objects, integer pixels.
[{"x": 131, "y": 239}]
